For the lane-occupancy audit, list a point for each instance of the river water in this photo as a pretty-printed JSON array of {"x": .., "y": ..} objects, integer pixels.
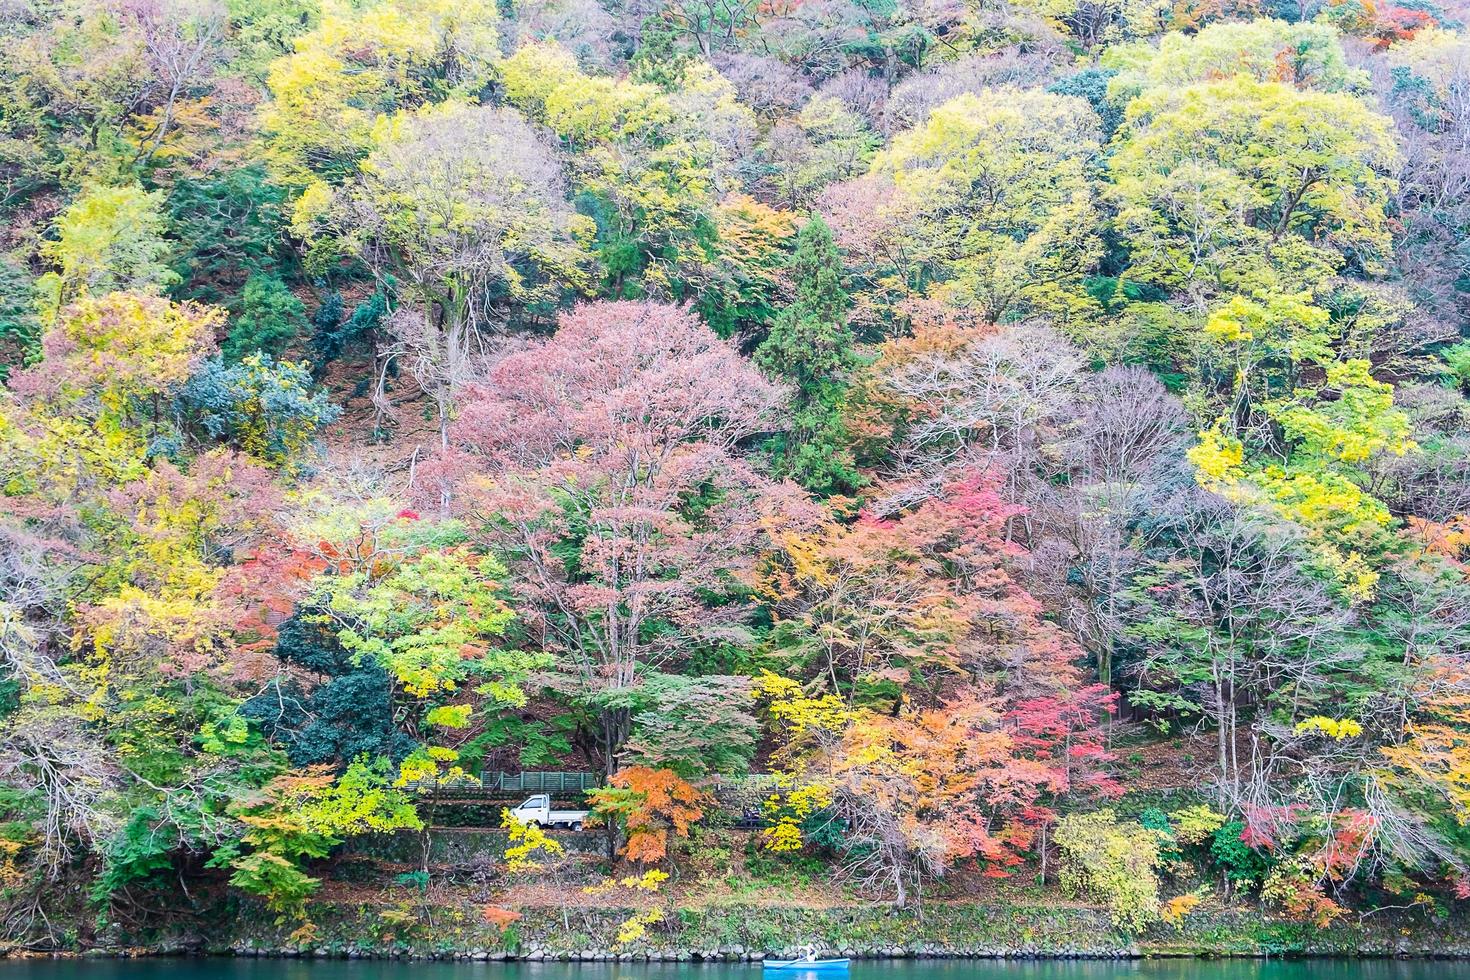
[{"x": 1188, "y": 969}]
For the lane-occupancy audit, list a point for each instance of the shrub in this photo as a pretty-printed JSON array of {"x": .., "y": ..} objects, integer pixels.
[
  {"x": 1196, "y": 824},
  {"x": 332, "y": 334},
  {"x": 1295, "y": 889},
  {"x": 270, "y": 409},
  {"x": 1157, "y": 820},
  {"x": 1240, "y": 863},
  {"x": 1113, "y": 862},
  {"x": 417, "y": 880}
]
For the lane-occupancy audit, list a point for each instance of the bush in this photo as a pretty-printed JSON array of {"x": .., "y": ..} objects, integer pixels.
[
  {"x": 331, "y": 335},
  {"x": 1458, "y": 360},
  {"x": 267, "y": 408},
  {"x": 1113, "y": 862},
  {"x": 1157, "y": 820},
  {"x": 229, "y": 227},
  {"x": 417, "y": 880},
  {"x": 1240, "y": 863},
  {"x": 1196, "y": 824}
]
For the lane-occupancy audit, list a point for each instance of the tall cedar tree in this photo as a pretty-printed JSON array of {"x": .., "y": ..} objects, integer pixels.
[{"x": 810, "y": 345}]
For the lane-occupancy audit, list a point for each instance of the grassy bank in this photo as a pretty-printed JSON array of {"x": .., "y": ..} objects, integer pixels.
[
  {"x": 436, "y": 929},
  {"x": 727, "y": 899}
]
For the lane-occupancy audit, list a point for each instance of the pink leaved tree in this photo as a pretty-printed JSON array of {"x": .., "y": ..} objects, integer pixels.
[{"x": 603, "y": 465}]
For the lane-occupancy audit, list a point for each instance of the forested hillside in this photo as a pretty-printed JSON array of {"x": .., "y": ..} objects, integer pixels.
[{"x": 964, "y": 415}]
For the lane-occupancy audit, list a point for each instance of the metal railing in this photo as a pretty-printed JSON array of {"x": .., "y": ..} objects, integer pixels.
[
  {"x": 512, "y": 783},
  {"x": 540, "y": 782},
  {"x": 755, "y": 785}
]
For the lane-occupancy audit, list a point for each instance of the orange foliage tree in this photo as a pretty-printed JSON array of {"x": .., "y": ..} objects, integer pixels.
[
  {"x": 947, "y": 710},
  {"x": 643, "y": 806},
  {"x": 1433, "y": 761},
  {"x": 925, "y": 601}
]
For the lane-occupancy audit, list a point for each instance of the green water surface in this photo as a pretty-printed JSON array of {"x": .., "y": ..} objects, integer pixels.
[{"x": 1185, "y": 969}]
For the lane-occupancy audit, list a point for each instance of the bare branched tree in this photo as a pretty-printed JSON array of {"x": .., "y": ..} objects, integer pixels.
[{"x": 994, "y": 404}]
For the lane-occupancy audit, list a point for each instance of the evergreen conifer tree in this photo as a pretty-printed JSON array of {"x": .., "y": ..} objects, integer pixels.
[{"x": 810, "y": 345}]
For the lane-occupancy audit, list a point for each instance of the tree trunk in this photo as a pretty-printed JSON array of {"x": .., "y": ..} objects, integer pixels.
[{"x": 1222, "y": 746}]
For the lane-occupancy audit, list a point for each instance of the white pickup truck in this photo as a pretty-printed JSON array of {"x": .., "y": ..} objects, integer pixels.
[{"x": 537, "y": 810}]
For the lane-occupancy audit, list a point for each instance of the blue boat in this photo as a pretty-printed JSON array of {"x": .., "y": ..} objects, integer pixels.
[{"x": 826, "y": 966}]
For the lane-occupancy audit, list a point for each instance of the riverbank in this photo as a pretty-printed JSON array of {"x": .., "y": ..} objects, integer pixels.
[
  {"x": 430, "y": 930},
  {"x": 727, "y": 901}
]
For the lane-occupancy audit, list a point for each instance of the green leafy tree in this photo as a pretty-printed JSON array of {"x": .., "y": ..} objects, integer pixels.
[
  {"x": 694, "y": 726},
  {"x": 350, "y": 713},
  {"x": 994, "y": 203},
  {"x": 271, "y": 409},
  {"x": 230, "y": 228},
  {"x": 109, "y": 238},
  {"x": 363, "y": 60},
  {"x": 1239, "y": 862},
  {"x": 1243, "y": 185}
]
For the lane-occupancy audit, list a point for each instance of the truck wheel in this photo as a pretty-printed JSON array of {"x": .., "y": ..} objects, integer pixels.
[{"x": 576, "y": 825}]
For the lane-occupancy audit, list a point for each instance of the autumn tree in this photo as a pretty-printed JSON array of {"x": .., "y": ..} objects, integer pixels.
[
  {"x": 827, "y": 142},
  {"x": 1243, "y": 185},
  {"x": 102, "y": 391},
  {"x": 362, "y": 60},
  {"x": 917, "y": 791},
  {"x": 459, "y": 212},
  {"x": 744, "y": 283},
  {"x": 643, "y": 807},
  {"x": 299, "y": 817},
  {"x": 954, "y": 398},
  {"x": 162, "y": 604},
  {"x": 110, "y": 238},
  {"x": 406, "y": 604},
  {"x": 993, "y": 202},
  {"x": 601, "y": 464},
  {"x": 100, "y": 92},
  {"x": 649, "y": 163},
  {"x": 1123, "y": 448},
  {"x": 921, "y": 791},
  {"x": 1307, "y": 55},
  {"x": 1230, "y": 619},
  {"x": 953, "y": 711},
  {"x": 1115, "y": 861},
  {"x": 1430, "y": 71}
]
